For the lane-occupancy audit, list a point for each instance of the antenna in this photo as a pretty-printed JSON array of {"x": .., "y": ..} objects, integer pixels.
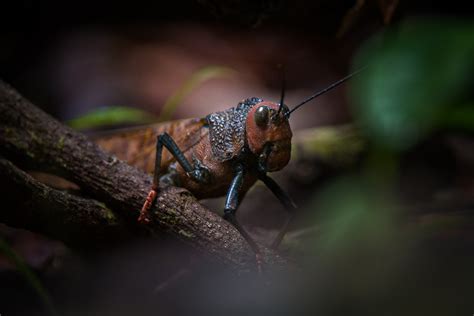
[
  {"x": 330, "y": 87},
  {"x": 283, "y": 85}
]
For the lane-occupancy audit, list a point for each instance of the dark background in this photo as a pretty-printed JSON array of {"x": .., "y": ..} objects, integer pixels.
[
  {"x": 72, "y": 57},
  {"x": 41, "y": 38}
]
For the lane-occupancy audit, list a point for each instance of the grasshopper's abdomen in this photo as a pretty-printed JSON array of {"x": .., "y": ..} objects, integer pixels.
[{"x": 137, "y": 145}]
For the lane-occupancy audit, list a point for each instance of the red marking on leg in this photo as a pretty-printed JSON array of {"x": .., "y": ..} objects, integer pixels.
[{"x": 143, "y": 218}]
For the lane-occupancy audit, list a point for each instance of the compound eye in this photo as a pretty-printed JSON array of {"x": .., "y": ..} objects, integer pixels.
[{"x": 262, "y": 115}]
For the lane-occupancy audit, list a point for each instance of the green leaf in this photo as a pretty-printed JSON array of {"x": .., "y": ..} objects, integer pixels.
[
  {"x": 462, "y": 118},
  {"x": 112, "y": 116},
  {"x": 417, "y": 76}
]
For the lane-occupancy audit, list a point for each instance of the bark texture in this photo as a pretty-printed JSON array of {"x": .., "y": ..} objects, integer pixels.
[{"x": 32, "y": 140}]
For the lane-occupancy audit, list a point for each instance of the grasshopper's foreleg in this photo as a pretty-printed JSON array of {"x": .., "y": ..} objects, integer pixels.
[
  {"x": 231, "y": 204},
  {"x": 168, "y": 142},
  {"x": 285, "y": 199}
]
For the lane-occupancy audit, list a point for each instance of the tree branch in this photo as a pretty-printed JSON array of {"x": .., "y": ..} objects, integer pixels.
[
  {"x": 37, "y": 207},
  {"x": 33, "y": 139}
]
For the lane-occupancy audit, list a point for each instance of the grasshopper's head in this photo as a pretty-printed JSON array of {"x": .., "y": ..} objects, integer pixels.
[
  {"x": 268, "y": 130},
  {"x": 269, "y": 135}
]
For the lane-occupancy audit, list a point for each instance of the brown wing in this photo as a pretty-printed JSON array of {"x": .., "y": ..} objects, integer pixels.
[{"x": 137, "y": 145}]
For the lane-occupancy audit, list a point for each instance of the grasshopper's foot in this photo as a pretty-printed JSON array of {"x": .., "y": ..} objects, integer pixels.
[{"x": 144, "y": 213}]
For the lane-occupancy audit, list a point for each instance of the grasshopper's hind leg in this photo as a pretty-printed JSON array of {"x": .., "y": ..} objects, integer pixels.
[{"x": 197, "y": 174}]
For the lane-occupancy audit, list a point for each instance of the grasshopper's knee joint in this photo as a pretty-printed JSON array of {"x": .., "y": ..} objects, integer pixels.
[
  {"x": 160, "y": 138},
  {"x": 201, "y": 175}
]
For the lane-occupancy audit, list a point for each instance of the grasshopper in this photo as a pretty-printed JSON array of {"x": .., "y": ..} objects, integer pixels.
[{"x": 224, "y": 153}]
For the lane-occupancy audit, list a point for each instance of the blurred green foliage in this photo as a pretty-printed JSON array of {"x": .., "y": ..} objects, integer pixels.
[
  {"x": 122, "y": 115},
  {"x": 113, "y": 115},
  {"x": 419, "y": 79},
  {"x": 360, "y": 212}
]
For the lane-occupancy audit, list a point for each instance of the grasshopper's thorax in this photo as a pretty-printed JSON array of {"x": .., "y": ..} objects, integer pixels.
[
  {"x": 254, "y": 124},
  {"x": 227, "y": 130},
  {"x": 268, "y": 135}
]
